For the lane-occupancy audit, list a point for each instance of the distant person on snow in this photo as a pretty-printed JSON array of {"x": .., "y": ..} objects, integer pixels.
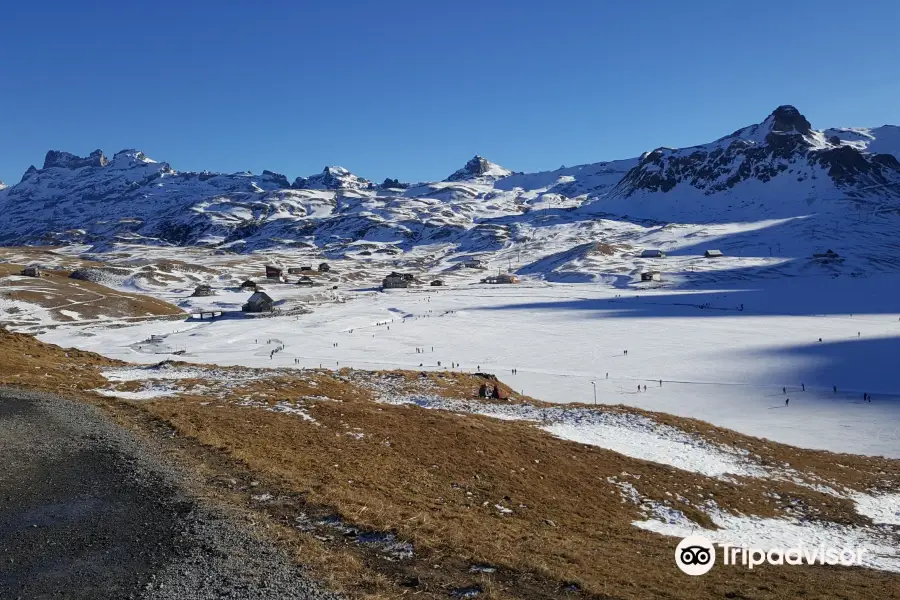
[
  {"x": 787, "y": 401},
  {"x": 803, "y": 386},
  {"x": 784, "y": 390},
  {"x": 645, "y": 387},
  {"x": 835, "y": 389},
  {"x": 660, "y": 383},
  {"x": 639, "y": 389}
]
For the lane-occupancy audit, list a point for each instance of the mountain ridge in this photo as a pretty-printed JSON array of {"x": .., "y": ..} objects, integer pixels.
[{"x": 778, "y": 168}]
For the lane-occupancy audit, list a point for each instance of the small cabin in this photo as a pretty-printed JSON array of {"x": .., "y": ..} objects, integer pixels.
[
  {"x": 394, "y": 281},
  {"x": 306, "y": 268},
  {"x": 31, "y": 271},
  {"x": 713, "y": 254},
  {"x": 259, "y": 302},
  {"x": 437, "y": 283},
  {"x": 651, "y": 276},
  {"x": 306, "y": 281},
  {"x": 248, "y": 285},
  {"x": 504, "y": 278},
  {"x": 474, "y": 263},
  {"x": 294, "y": 270},
  {"x": 324, "y": 268},
  {"x": 653, "y": 254},
  {"x": 408, "y": 277},
  {"x": 274, "y": 273},
  {"x": 203, "y": 290}
]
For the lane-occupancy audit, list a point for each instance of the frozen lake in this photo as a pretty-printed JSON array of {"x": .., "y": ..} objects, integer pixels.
[{"x": 717, "y": 363}]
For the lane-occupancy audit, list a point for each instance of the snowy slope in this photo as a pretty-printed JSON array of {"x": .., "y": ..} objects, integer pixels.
[{"x": 769, "y": 194}]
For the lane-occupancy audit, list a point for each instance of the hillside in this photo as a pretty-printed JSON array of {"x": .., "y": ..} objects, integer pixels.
[{"x": 778, "y": 188}]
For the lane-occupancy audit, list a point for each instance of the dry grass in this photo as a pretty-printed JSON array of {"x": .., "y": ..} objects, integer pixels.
[
  {"x": 56, "y": 291},
  {"x": 434, "y": 478}
]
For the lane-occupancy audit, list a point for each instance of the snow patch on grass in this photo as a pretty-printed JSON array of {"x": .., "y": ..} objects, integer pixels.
[
  {"x": 629, "y": 434},
  {"x": 767, "y": 533}
]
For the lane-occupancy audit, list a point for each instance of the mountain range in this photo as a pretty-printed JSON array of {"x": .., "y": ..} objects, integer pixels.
[{"x": 780, "y": 168}]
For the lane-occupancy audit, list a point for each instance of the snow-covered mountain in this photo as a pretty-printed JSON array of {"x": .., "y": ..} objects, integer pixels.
[
  {"x": 773, "y": 169},
  {"x": 779, "y": 169}
]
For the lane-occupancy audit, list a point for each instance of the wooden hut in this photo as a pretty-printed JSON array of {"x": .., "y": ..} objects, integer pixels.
[
  {"x": 259, "y": 302},
  {"x": 324, "y": 267},
  {"x": 31, "y": 271},
  {"x": 394, "y": 281},
  {"x": 653, "y": 254},
  {"x": 203, "y": 290},
  {"x": 713, "y": 254}
]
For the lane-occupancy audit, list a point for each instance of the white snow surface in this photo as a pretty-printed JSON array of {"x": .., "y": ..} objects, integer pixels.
[{"x": 717, "y": 363}]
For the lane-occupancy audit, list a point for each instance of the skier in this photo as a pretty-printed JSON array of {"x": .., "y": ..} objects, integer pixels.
[
  {"x": 645, "y": 387},
  {"x": 639, "y": 389},
  {"x": 607, "y": 375},
  {"x": 787, "y": 401},
  {"x": 660, "y": 383},
  {"x": 835, "y": 389},
  {"x": 865, "y": 396},
  {"x": 803, "y": 387},
  {"x": 858, "y": 334},
  {"x": 784, "y": 390}
]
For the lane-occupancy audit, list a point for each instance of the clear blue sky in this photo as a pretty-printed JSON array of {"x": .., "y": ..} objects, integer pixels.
[{"x": 414, "y": 88}]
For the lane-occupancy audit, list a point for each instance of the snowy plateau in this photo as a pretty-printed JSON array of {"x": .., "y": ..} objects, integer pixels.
[{"x": 751, "y": 282}]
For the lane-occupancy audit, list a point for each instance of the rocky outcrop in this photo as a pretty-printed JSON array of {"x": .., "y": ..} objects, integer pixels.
[
  {"x": 479, "y": 168},
  {"x": 333, "y": 178},
  {"x": 66, "y": 160},
  {"x": 276, "y": 178},
  {"x": 783, "y": 144}
]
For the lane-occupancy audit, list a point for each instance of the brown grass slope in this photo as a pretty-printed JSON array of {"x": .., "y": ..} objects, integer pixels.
[{"x": 434, "y": 478}]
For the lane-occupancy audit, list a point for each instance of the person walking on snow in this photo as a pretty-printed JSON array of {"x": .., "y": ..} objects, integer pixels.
[
  {"x": 660, "y": 383},
  {"x": 645, "y": 387},
  {"x": 835, "y": 389},
  {"x": 803, "y": 387},
  {"x": 787, "y": 401},
  {"x": 784, "y": 390}
]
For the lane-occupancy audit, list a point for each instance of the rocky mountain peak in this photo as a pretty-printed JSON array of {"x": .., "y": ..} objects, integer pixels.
[
  {"x": 478, "y": 168},
  {"x": 66, "y": 160},
  {"x": 3, "y": 186},
  {"x": 333, "y": 178},
  {"x": 787, "y": 119}
]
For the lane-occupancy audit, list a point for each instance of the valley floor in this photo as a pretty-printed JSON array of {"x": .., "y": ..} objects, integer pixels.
[{"x": 730, "y": 356}]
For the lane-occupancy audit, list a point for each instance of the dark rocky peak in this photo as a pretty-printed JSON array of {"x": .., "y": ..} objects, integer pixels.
[
  {"x": 333, "y": 178},
  {"x": 787, "y": 119},
  {"x": 476, "y": 167},
  {"x": 66, "y": 160},
  {"x": 479, "y": 167},
  {"x": 393, "y": 184},
  {"x": 276, "y": 178}
]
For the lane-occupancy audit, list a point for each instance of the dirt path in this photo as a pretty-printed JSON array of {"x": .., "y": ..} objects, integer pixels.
[{"x": 89, "y": 511}]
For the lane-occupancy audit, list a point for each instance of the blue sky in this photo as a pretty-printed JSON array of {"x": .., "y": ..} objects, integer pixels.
[{"x": 412, "y": 89}]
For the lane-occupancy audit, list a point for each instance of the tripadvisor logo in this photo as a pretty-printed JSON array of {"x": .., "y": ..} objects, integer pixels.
[{"x": 696, "y": 555}]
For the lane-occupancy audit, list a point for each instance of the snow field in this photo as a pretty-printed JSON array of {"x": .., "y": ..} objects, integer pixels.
[{"x": 717, "y": 364}]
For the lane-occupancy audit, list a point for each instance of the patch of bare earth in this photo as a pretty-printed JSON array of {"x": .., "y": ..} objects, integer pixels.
[{"x": 351, "y": 485}]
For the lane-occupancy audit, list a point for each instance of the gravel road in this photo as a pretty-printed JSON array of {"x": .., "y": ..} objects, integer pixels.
[{"x": 89, "y": 511}]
